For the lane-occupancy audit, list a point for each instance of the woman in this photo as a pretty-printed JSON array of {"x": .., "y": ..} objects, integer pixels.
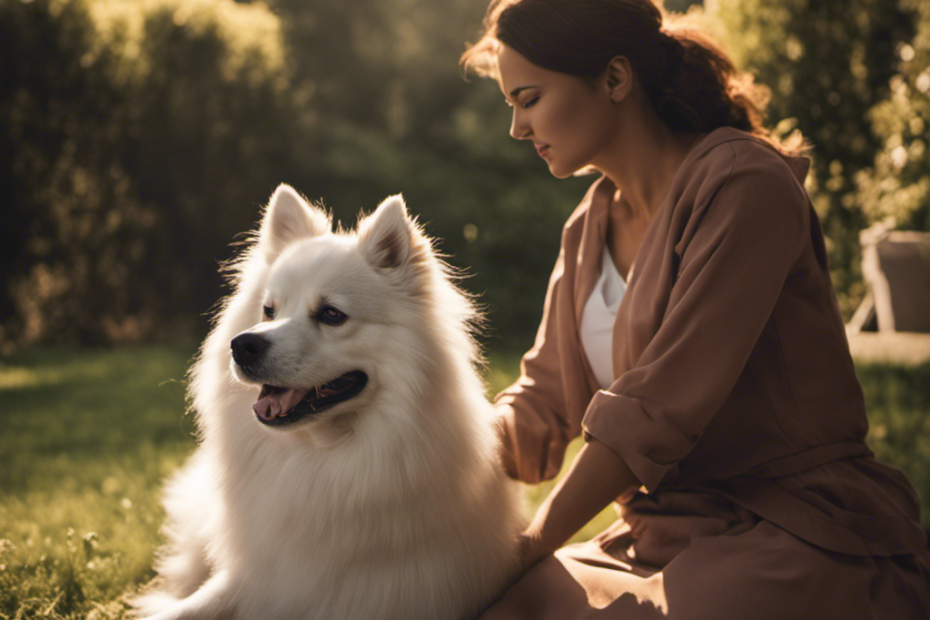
[{"x": 691, "y": 332}]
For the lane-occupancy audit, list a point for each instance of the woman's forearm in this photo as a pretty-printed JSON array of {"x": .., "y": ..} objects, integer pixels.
[{"x": 597, "y": 477}]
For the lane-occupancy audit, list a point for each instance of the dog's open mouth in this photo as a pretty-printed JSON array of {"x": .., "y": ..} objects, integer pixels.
[{"x": 278, "y": 406}]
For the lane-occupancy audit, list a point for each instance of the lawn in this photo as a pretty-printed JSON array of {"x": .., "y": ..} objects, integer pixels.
[{"x": 88, "y": 436}]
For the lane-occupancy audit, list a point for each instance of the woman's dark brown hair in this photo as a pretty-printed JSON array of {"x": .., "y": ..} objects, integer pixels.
[{"x": 689, "y": 80}]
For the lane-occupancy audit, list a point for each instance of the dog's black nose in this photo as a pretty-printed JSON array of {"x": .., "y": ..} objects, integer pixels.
[{"x": 247, "y": 349}]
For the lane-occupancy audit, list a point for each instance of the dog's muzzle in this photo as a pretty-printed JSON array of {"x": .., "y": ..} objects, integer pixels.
[{"x": 280, "y": 405}]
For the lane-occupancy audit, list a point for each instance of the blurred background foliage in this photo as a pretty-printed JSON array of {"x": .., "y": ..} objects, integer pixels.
[
  {"x": 139, "y": 137},
  {"x": 828, "y": 65},
  {"x": 898, "y": 185}
]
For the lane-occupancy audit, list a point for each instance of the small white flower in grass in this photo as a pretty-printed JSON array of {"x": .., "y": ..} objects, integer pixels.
[
  {"x": 126, "y": 503},
  {"x": 6, "y": 546}
]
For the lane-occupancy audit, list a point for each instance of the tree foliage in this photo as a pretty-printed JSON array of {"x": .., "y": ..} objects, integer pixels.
[
  {"x": 178, "y": 118},
  {"x": 63, "y": 238},
  {"x": 897, "y": 187},
  {"x": 134, "y": 136},
  {"x": 827, "y": 64},
  {"x": 139, "y": 137}
]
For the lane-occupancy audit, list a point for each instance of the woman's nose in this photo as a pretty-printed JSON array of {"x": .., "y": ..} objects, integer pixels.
[{"x": 518, "y": 127}]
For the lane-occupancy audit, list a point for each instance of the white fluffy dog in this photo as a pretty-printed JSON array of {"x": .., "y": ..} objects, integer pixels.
[{"x": 347, "y": 467}]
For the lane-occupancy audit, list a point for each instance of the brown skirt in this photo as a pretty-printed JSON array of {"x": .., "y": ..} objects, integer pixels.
[{"x": 753, "y": 570}]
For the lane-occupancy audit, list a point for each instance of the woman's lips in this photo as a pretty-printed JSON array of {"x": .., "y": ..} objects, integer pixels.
[{"x": 542, "y": 149}]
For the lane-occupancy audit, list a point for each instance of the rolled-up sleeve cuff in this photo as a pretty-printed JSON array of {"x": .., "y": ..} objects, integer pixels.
[{"x": 648, "y": 445}]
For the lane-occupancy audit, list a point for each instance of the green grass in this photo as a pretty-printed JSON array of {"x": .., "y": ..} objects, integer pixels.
[
  {"x": 898, "y": 402},
  {"x": 87, "y": 437}
]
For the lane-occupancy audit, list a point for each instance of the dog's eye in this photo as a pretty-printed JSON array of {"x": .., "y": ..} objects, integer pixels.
[
  {"x": 331, "y": 316},
  {"x": 269, "y": 312}
]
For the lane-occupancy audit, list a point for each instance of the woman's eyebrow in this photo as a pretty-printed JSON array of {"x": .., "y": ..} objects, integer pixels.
[{"x": 520, "y": 89}]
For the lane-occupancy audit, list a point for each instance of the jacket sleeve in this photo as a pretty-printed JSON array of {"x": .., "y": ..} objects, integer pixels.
[
  {"x": 735, "y": 251},
  {"x": 533, "y": 410}
]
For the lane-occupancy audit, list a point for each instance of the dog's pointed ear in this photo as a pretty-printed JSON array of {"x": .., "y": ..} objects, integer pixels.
[
  {"x": 288, "y": 218},
  {"x": 385, "y": 237}
]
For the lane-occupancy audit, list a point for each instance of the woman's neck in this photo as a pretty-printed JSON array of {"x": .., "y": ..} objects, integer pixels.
[{"x": 643, "y": 161}]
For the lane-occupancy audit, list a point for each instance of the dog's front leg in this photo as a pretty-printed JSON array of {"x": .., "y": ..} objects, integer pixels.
[{"x": 212, "y": 601}]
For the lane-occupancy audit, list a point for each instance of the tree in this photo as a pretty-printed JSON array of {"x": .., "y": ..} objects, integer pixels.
[
  {"x": 68, "y": 220},
  {"x": 897, "y": 187},
  {"x": 827, "y": 64},
  {"x": 136, "y": 139},
  {"x": 393, "y": 114}
]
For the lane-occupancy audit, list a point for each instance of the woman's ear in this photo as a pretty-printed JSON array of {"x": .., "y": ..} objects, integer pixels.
[{"x": 619, "y": 78}]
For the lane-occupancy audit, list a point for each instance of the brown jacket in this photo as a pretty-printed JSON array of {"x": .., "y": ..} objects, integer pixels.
[{"x": 733, "y": 373}]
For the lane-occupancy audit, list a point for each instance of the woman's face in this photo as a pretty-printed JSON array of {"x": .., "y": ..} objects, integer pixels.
[{"x": 570, "y": 122}]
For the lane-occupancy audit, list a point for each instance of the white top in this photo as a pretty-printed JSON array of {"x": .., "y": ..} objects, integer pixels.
[{"x": 597, "y": 320}]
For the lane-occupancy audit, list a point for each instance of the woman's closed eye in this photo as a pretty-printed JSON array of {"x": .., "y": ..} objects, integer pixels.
[{"x": 528, "y": 102}]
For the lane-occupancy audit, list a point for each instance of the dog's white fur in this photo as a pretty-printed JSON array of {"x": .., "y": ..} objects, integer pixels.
[{"x": 391, "y": 505}]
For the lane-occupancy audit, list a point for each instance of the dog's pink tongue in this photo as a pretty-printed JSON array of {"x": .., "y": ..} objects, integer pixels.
[{"x": 278, "y": 404}]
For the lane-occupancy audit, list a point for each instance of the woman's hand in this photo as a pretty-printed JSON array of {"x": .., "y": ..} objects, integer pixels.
[
  {"x": 508, "y": 461},
  {"x": 597, "y": 477}
]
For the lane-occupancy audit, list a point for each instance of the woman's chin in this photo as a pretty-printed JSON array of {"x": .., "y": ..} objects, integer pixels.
[{"x": 558, "y": 171}]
